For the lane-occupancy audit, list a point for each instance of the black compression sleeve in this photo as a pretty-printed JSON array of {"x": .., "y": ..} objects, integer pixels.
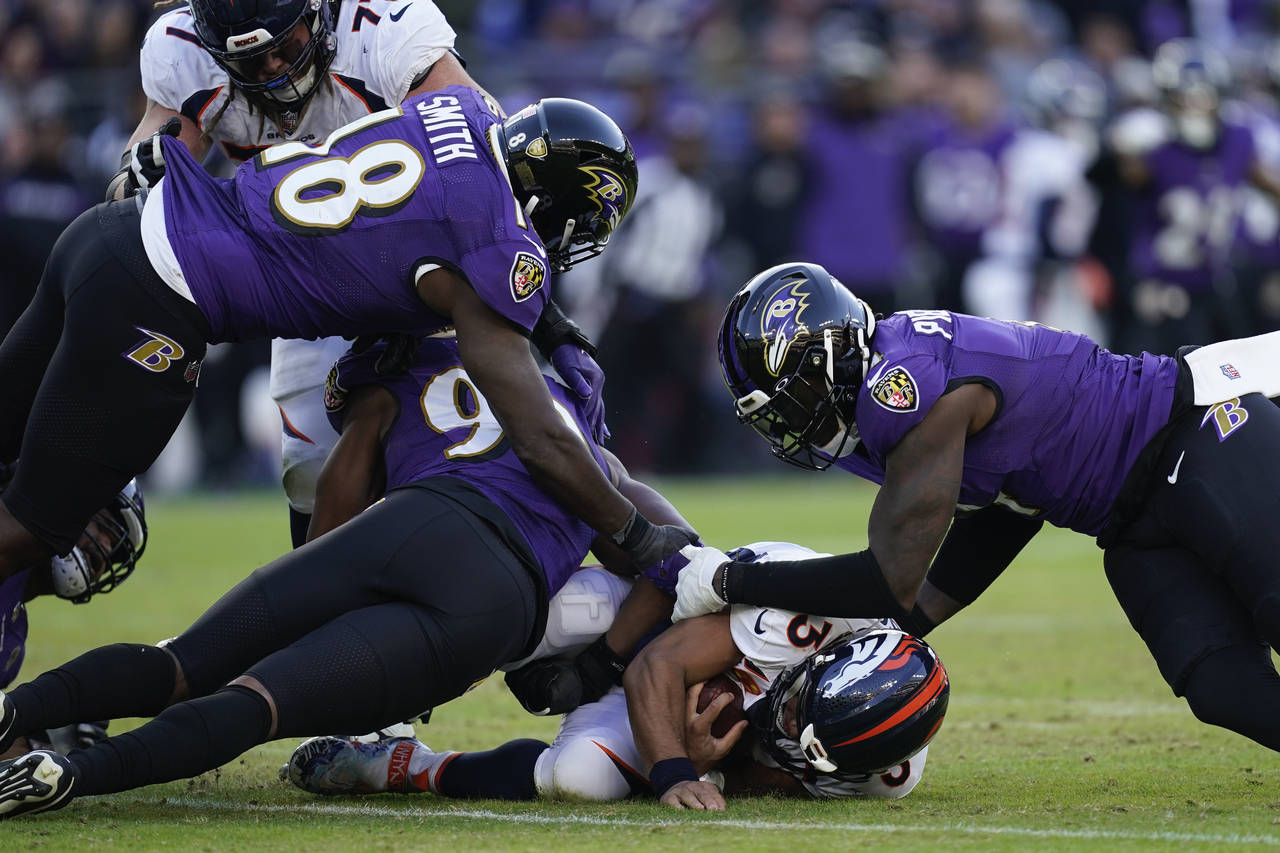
[
  {"x": 977, "y": 549},
  {"x": 849, "y": 585}
]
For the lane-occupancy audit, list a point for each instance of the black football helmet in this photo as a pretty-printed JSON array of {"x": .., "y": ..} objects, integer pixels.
[
  {"x": 1191, "y": 79},
  {"x": 239, "y": 34},
  {"x": 794, "y": 347},
  {"x": 95, "y": 566},
  {"x": 863, "y": 705},
  {"x": 574, "y": 173}
]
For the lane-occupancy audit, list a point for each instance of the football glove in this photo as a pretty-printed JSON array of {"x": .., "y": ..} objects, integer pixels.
[
  {"x": 647, "y": 543},
  {"x": 695, "y": 592},
  {"x": 399, "y": 349},
  {"x": 584, "y": 376},
  {"x": 142, "y": 166},
  {"x": 557, "y": 686}
]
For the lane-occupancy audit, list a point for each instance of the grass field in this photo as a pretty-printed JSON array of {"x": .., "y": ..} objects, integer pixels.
[{"x": 1060, "y": 735}]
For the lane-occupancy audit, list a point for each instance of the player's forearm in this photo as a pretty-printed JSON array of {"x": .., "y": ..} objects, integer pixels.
[
  {"x": 655, "y": 704},
  {"x": 644, "y": 607},
  {"x": 558, "y": 461},
  {"x": 977, "y": 549}
]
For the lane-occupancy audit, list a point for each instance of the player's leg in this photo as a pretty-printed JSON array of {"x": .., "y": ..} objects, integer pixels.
[
  {"x": 1223, "y": 501},
  {"x": 114, "y": 389},
  {"x": 579, "y": 613},
  {"x": 594, "y": 755},
  {"x": 298, "y": 372},
  {"x": 379, "y": 555},
  {"x": 359, "y": 671},
  {"x": 1201, "y": 636}
]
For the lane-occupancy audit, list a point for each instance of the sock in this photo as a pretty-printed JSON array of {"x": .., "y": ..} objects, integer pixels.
[
  {"x": 298, "y": 524},
  {"x": 186, "y": 740},
  {"x": 121, "y": 680},
  {"x": 505, "y": 773}
]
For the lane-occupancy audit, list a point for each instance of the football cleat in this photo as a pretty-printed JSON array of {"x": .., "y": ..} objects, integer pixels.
[
  {"x": 341, "y": 765},
  {"x": 39, "y": 781}
]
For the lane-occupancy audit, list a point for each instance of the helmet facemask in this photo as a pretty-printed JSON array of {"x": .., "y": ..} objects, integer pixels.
[
  {"x": 108, "y": 551},
  {"x": 243, "y": 56}
]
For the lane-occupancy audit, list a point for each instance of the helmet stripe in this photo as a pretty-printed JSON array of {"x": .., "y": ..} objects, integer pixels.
[{"x": 933, "y": 687}]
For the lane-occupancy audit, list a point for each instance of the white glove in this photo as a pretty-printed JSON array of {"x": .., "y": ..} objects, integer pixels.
[{"x": 695, "y": 594}]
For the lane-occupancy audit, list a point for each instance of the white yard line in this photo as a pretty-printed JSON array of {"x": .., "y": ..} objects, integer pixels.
[{"x": 416, "y": 813}]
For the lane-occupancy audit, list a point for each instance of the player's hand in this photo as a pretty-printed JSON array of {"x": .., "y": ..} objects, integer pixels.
[
  {"x": 146, "y": 158},
  {"x": 546, "y": 687},
  {"x": 705, "y": 749},
  {"x": 695, "y": 592},
  {"x": 646, "y": 543},
  {"x": 577, "y": 368},
  {"x": 698, "y": 795},
  {"x": 398, "y": 351}
]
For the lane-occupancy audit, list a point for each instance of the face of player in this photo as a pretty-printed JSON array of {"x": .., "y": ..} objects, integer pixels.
[
  {"x": 277, "y": 61},
  {"x": 790, "y": 725}
]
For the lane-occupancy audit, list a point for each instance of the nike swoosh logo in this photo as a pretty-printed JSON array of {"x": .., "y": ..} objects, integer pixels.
[
  {"x": 875, "y": 377},
  {"x": 395, "y": 16},
  {"x": 758, "y": 629},
  {"x": 1173, "y": 478}
]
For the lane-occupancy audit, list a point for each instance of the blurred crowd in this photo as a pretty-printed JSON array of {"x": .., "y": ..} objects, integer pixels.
[{"x": 1100, "y": 166}]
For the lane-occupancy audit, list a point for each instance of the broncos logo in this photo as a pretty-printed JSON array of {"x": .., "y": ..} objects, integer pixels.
[
  {"x": 607, "y": 192},
  {"x": 780, "y": 324}
]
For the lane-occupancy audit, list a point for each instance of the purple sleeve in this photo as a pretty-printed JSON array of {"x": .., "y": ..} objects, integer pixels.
[
  {"x": 511, "y": 278},
  {"x": 348, "y": 373},
  {"x": 896, "y": 396}
]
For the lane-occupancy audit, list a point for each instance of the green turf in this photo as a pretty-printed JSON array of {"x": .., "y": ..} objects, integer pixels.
[{"x": 1060, "y": 734}]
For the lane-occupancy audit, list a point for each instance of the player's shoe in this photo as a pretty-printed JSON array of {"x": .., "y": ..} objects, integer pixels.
[
  {"x": 342, "y": 765},
  {"x": 39, "y": 781}
]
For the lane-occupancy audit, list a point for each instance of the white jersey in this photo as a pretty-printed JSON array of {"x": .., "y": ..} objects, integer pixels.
[
  {"x": 772, "y": 641},
  {"x": 383, "y": 46},
  {"x": 594, "y": 754}
]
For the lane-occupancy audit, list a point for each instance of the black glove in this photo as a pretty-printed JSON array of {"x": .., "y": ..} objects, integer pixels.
[
  {"x": 555, "y": 328},
  {"x": 397, "y": 355},
  {"x": 647, "y": 543},
  {"x": 142, "y": 166},
  {"x": 558, "y": 686}
]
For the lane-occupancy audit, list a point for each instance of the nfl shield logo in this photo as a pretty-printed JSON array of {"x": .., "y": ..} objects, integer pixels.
[
  {"x": 289, "y": 122},
  {"x": 1229, "y": 371}
]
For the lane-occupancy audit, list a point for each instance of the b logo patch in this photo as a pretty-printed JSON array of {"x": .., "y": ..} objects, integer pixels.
[
  {"x": 607, "y": 192},
  {"x": 156, "y": 352},
  {"x": 780, "y": 323},
  {"x": 527, "y": 275},
  {"x": 896, "y": 391}
]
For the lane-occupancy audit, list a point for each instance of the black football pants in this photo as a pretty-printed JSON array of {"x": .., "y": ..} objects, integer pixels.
[
  {"x": 95, "y": 375},
  {"x": 1198, "y": 571}
]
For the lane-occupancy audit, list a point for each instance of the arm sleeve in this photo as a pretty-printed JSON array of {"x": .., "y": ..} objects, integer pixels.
[
  {"x": 848, "y": 585},
  {"x": 977, "y": 549},
  {"x": 176, "y": 72},
  {"x": 407, "y": 46}
]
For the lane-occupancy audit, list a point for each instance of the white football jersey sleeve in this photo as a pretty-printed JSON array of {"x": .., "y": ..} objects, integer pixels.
[{"x": 383, "y": 46}]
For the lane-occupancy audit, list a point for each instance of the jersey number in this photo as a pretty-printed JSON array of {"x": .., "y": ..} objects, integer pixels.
[
  {"x": 450, "y": 401},
  {"x": 1194, "y": 225},
  {"x": 325, "y": 196}
]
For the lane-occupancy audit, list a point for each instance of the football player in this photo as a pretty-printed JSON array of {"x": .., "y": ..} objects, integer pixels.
[
  {"x": 429, "y": 218},
  {"x": 1190, "y": 167},
  {"x": 401, "y": 608},
  {"x": 785, "y": 665},
  {"x": 104, "y": 556},
  {"x": 247, "y": 74},
  {"x": 1170, "y": 461}
]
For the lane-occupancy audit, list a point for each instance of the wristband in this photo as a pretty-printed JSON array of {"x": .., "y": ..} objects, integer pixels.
[
  {"x": 669, "y": 772},
  {"x": 632, "y": 532}
]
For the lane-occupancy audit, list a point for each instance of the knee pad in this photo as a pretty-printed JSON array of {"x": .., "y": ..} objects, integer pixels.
[{"x": 581, "y": 770}]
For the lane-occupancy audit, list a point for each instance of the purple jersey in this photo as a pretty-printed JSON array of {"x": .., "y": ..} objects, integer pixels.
[
  {"x": 960, "y": 187},
  {"x": 1187, "y": 217},
  {"x": 446, "y": 428},
  {"x": 311, "y": 241},
  {"x": 1071, "y": 417}
]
